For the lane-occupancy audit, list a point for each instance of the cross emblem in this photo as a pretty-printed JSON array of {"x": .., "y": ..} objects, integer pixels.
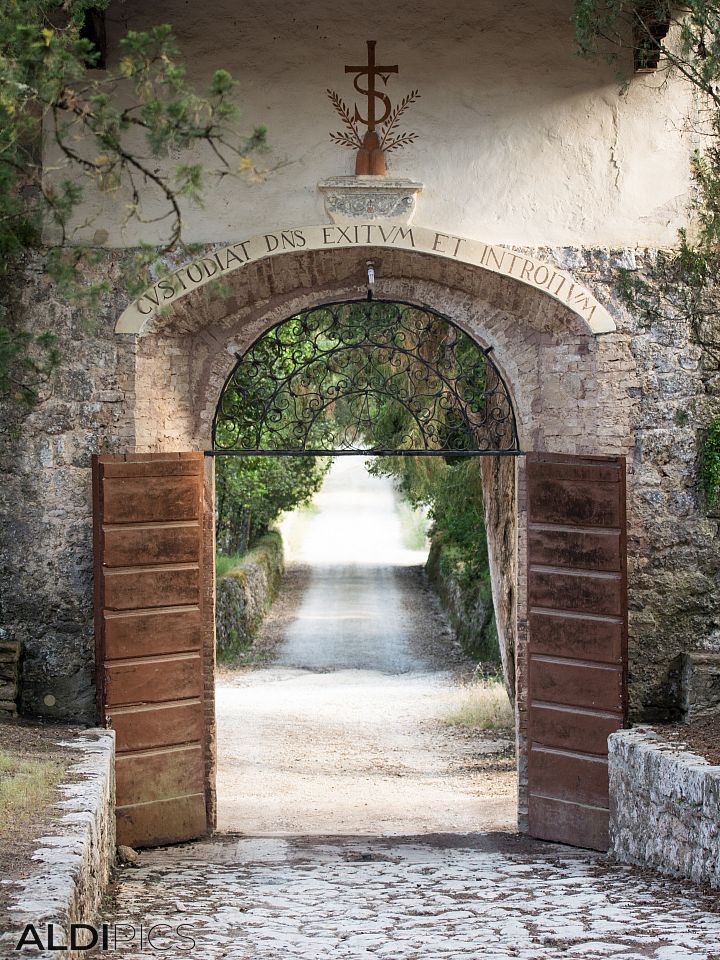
[{"x": 372, "y": 71}]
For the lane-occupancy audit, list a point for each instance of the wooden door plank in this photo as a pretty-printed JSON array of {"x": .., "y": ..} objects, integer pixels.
[
  {"x": 576, "y": 684},
  {"x": 148, "y": 499},
  {"x": 574, "y": 503},
  {"x": 560, "y": 634},
  {"x": 577, "y": 592},
  {"x": 162, "y": 822},
  {"x": 569, "y": 776},
  {"x": 156, "y": 725},
  {"x": 586, "y": 549},
  {"x": 575, "y": 468},
  {"x": 556, "y": 725},
  {"x": 140, "y": 545},
  {"x": 151, "y": 775},
  {"x": 135, "y": 633},
  {"x": 152, "y": 468},
  {"x": 167, "y": 585},
  {"x": 579, "y": 825},
  {"x": 153, "y": 679}
]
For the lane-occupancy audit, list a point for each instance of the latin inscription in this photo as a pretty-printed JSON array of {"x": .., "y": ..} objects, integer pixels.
[{"x": 497, "y": 259}]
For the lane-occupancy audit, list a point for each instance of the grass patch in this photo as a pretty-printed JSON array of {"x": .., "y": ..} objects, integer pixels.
[
  {"x": 481, "y": 705},
  {"x": 224, "y": 564},
  {"x": 27, "y": 785}
]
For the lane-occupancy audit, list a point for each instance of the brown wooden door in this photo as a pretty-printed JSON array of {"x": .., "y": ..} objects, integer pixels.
[
  {"x": 148, "y": 623},
  {"x": 577, "y": 611}
]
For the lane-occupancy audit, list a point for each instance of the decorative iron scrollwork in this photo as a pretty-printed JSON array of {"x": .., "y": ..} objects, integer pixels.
[{"x": 367, "y": 377}]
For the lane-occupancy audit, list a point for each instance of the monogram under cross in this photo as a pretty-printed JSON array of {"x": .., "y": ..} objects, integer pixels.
[{"x": 375, "y": 143}]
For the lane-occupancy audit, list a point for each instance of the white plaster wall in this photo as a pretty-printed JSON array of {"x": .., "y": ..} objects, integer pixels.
[{"x": 520, "y": 140}]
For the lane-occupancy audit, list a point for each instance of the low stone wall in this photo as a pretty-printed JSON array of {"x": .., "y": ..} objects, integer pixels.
[
  {"x": 664, "y": 807},
  {"x": 244, "y": 594},
  {"x": 74, "y": 862},
  {"x": 471, "y": 616}
]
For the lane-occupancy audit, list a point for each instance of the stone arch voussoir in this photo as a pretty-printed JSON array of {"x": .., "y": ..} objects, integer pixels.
[{"x": 555, "y": 367}]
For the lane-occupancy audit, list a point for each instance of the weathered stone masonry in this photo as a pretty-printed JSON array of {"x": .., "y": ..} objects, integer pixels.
[
  {"x": 673, "y": 546},
  {"x": 574, "y": 393},
  {"x": 664, "y": 807}
]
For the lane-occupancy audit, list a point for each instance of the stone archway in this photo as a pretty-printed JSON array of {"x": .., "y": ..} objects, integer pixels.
[{"x": 567, "y": 385}]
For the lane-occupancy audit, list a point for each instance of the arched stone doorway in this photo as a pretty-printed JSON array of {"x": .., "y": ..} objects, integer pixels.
[{"x": 571, "y": 400}]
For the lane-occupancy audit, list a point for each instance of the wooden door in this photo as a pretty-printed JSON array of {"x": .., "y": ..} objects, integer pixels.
[
  {"x": 148, "y": 623},
  {"x": 577, "y": 613}
]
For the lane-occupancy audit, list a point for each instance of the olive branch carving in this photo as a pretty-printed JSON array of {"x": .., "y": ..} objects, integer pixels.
[
  {"x": 390, "y": 138},
  {"x": 352, "y": 138}
]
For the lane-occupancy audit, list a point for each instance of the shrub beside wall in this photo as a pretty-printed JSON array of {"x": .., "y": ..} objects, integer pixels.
[
  {"x": 245, "y": 593},
  {"x": 468, "y": 603}
]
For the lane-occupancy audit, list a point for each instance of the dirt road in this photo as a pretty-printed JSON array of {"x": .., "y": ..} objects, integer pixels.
[{"x": 344, "y": 732}]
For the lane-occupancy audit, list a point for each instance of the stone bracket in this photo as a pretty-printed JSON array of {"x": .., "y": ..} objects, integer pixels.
[{"x": 360, "y": 199}]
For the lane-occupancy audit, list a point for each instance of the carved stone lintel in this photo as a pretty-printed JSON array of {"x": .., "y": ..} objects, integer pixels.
[{"x": 353, "y": 199}]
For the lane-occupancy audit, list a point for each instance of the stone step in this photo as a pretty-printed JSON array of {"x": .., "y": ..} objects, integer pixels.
[
  {"x": 9, "y": 650},
  {"x": 701, "y": 685},
  {"x": 8, "y": 691}
]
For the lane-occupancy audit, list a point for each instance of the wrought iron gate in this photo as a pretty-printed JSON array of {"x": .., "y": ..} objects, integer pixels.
[{"x": 365, "y": 377}]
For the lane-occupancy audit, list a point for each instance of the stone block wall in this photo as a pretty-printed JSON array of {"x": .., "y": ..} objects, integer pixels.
[
  {"x": 9, "y": 677},
  {"x": 701, "y": 685},
  {"x": 46, "y": 584},
  {"x": 673, "y": 556},
  {"x": 664, "y": 807},
  {"x": 470, "y": 610}
]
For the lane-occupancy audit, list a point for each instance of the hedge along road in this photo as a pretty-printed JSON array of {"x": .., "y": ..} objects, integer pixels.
[
  {"x": 363, "y": 820},
  {"x": 343, "y": 733}
]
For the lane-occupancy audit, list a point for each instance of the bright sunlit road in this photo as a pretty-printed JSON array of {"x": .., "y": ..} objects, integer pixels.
[{"x": 353, "y": 614}]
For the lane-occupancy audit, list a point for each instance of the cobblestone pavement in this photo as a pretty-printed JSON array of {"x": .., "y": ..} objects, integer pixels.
[{"x": 489, "y": 896}]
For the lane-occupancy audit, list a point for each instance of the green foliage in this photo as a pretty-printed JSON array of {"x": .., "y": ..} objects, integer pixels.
[
  {"x": 240, "y": 612},
  {"x": 356, "y": 376},
  {"x": 363, "y": 375},
  {"x": 381, "y": 377},
  {"x": 710, "y": 465},
  {"x": 224, "y": 563},
  {"x": 595, "y": 20},
  {"x": 104, "y": 131},
  {"x": 452, "y": 492},
  {"x": 458, "y": 520},
  {"x": 26, "y": 363},
  {"x": 252, "y": 492}
]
